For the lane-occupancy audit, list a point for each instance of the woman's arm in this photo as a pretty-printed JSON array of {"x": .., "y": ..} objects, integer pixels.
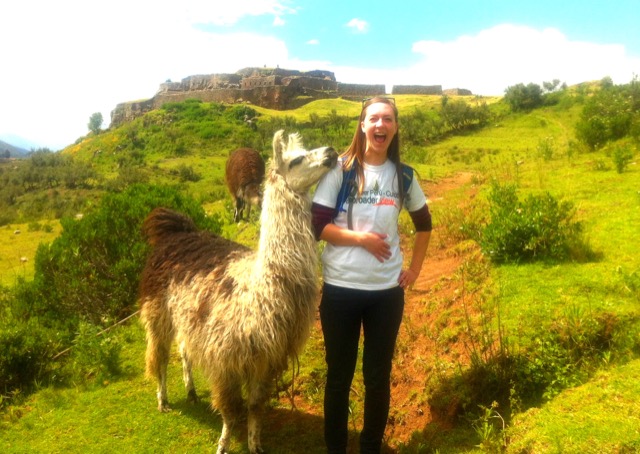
[
  {"x": 420, "y": 245},
  {"x": 373, "y": 242},
  {"x": 327, "y": 231},
  {"x": 422, "y": 222}
]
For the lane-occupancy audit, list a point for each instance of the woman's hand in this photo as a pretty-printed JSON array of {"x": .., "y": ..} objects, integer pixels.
[
  {"x": 407, "y": 278},
  {"x": 376, "y": 245}
]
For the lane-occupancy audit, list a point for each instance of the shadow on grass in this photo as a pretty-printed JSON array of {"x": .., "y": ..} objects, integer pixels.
[{"x": 284, "y": 431}]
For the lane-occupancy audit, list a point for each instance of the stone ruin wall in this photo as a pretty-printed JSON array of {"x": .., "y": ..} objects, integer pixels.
[
  {"x": 273, "y": 88},
  {"x": 358, "y": 91},
  {"x": 417, "y": 90},
  {"x": 457, "y": 92}
]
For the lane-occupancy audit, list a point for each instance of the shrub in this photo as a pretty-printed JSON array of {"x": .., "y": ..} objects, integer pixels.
[
  {"x": 545, "y": 148},
  {"x": 610, "y": 114},
  {"x": 621, "y": 156},
  {"x": 187, "y": 173},
  {"x": 538, "y": 228},
  {"x": 522, "y": 97},
  {"x": 91, "y": 271},
  {"x": 241, "y": 113},
  {"x": 95, "y": 354},
  {"x": 26, "y": 349}
]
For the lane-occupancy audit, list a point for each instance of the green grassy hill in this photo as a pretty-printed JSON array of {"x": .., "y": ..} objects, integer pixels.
[{"x": 573, "y": 323}]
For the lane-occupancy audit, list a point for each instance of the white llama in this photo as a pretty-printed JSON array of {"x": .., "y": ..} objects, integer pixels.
[{"x": 236, "y": 313}]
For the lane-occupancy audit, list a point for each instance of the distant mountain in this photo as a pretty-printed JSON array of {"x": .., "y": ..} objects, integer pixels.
[{"x": 14, "y": 151}]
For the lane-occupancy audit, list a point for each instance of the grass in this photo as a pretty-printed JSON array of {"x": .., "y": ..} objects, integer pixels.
[
  {"x": 122, "y": 416},
  {"x": 599, "y": 417},
  {"x": 16, "y": 246}
]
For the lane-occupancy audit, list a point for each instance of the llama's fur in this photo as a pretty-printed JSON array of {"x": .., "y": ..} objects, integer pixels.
[
  {"x": 244, "y": 173},
  {"x": 237, "y": 313}
]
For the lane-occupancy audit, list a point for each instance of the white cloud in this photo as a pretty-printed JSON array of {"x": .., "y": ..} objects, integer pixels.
[
  {"x": 313, "y": 42},
  {"x": 506, "y": 55},
  {"x": 358, "y": 25},
  {"x": 68, "y": 66},
  {"x": 228, "y": 13},
  {"x": 278, "y": 21}
]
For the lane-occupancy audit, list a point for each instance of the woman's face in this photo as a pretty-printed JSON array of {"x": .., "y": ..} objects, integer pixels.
[{"x": 379, "y": 127}]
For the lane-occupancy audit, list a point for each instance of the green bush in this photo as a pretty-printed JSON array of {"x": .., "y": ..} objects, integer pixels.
[
  {"x": 95, "y": 354},
  {"x": 91, "y": 271},
  {"x": 187, "y": 173},
  {"x": 26, "y": 349},
  {"x": 621, "y": 156},
  {"x": 610, "y": 114},
  {"x": 522, "y": 97},
  {"x": 538, "y": 228}
]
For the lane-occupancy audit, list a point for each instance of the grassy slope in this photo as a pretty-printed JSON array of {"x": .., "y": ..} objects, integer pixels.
[
  {"x": 15, "y": 246},
  {"x": 599, "y": 417},
  {"x": 121, "y": 415},
  {"x": 608, "y": 204}
]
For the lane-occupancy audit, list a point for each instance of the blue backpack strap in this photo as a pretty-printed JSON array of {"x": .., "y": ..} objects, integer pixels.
[
  {"x": 407, "y": 178},
  {"x": 348, "y": 183}
]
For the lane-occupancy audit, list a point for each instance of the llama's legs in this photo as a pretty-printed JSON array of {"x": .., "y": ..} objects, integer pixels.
[
  {"x": 258, "y": 394},
  {"x": 192, "y": 396},
  {"x": 237, "y": 216},
  {"x": 158, "y": 351},
  {"x": 228, "y": 400},
  {"x": 159, "y": 340}
]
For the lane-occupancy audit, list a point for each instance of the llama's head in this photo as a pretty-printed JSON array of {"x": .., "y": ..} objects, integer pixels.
[{"x": 300, "y": 168}]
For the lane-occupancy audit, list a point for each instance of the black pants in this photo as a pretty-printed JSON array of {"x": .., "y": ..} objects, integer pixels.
[{"x": 342, "y": 312}]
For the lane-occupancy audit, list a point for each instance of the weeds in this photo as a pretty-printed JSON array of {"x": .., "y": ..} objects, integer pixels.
[
  {"x": 95, "y": 354},
  {"x": 489, "y": 426},
  {"x": 630, "y": 281},
  {"x": 621, "y": 157}
]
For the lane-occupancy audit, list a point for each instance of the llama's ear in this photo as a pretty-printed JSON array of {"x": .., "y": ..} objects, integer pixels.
[
  {"x": 295, "y": 141},
  {"x": 278, "y": 147}
]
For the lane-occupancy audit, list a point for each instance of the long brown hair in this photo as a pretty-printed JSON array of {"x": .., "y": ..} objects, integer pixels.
[{"x": 354, "y": 155}]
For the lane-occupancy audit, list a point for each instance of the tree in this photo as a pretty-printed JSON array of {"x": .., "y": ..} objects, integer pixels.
[
  {"x": 550, "y": 87},
  {"x": 610, "y": 114},
  {"x": 524, "y": 98},
  {"x": 95, "y": 123}
]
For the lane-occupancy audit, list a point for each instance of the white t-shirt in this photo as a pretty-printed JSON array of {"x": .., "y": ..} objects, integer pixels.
[{"x": 376, "y": 210}]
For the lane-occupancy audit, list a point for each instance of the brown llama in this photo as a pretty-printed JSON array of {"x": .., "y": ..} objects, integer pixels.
[
  {"x": 238, "y": 314},
  {"x": 244, "y": 173}
]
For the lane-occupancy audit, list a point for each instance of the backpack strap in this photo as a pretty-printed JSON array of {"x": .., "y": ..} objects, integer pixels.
[
  {"x": 407, "y": 178},
  {"x": 346, "y": 189},
  {"x": 349, "y": 187}
]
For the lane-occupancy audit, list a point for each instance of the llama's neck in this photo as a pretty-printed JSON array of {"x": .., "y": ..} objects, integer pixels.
[{"x": 287, "y": 246}]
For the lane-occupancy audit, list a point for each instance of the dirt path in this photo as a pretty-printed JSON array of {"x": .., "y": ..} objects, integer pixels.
[{"x": 435, "y": 294}]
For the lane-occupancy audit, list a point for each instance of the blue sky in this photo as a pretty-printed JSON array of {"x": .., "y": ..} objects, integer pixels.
[{"x": 63, "y": 60}]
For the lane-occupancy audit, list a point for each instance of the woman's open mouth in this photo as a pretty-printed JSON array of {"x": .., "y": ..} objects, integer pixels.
[{"x": 380, "y": 138}]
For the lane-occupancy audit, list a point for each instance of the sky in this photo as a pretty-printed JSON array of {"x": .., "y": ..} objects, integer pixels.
[{"x": 63, "y": 60}]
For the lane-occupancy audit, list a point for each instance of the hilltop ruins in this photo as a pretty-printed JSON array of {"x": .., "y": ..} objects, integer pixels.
[{"x": 273, "y": 88}]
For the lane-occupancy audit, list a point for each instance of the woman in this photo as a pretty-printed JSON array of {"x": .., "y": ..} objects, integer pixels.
[{"x": 364, "y": 278}]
